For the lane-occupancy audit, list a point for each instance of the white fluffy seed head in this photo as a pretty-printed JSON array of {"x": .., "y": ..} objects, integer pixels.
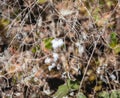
[
  {"x": 64, "y": 12},
  {"x": 112, "y": 77},
  {"x": 40, "y": 22},
  {"x": 98, "y": 70},
  {"x": 57, "y": 43},
  {"x": 47, "y": 60},
  {"x": 80, "y": 48},
  {"x": 55, "y": 57},
  {"x": 51, "y": 66}
]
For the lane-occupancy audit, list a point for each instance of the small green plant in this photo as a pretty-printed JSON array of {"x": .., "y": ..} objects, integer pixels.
[
  {"x": 41, "y": 1},
  {"x": 103, "y": 94},
  {"x": 96, "y": 14},
  {"x": 113, "y": 40},
  {"x": 64, "y": 89},
  {"x": 35, "y": 49},
  {"x": 81, "y": 95},
  {"x": 114, "y": 43},
  {"x": 113, "y": 94},
  {"x": 117, "y": 49},
  {"x": 4, "y": 22},
  {"x": 47, "y": 43}
]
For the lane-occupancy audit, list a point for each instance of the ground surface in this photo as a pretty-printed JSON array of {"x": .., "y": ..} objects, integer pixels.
[{"x": 59, "y": 48}]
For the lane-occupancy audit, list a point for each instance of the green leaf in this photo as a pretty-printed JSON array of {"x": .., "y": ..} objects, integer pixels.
[
  {"x": 81, "y": 95},
  {"x": 117, "y": 49},
  {"x": 73, "y": 85},
  {"x": 118, "y": 93},
  {"x": 114, "y": 94},
  {"x": 5, "y": 22},
  {"x": 62, "y": 91},
  {"x": 103, "y": 95},
  {"x": 41, "y": 1},
  {"x": 47, "y": 43},
  {"x": 113, "y": 36},
  {"x": 114, "y": 40},
  {"x": 114, "y": 43},
  {"x": 34, "y": 50}
]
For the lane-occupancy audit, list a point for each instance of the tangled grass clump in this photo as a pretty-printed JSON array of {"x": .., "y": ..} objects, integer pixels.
[{"x": 58, "y": 48}]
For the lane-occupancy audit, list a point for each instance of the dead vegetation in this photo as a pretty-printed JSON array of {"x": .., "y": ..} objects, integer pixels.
[{"x": 59, "y": 48}]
